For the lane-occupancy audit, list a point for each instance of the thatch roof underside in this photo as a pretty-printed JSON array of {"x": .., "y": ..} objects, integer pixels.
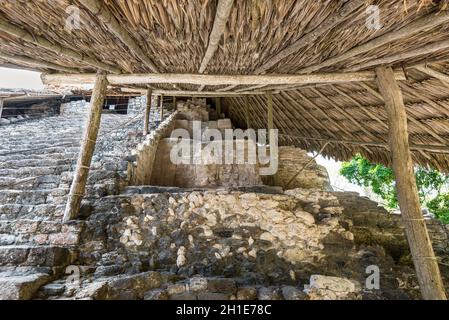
[{"x": 174, "y": 34}]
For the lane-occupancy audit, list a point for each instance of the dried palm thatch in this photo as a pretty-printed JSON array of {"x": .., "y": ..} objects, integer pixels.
[{"x": 261, "y": 36}]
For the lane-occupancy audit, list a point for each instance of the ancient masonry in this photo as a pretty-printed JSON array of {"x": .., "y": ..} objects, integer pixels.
[{"x": 151, "y": 230}]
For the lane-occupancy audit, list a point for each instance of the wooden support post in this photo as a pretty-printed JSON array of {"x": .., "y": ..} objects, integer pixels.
[
  {"x": 424, "y": 259},
  {"x": 270, "y": 125},
  {"x": 248, "y": 123},
  {"x": 1, "y": 106},
  {"x": 78, "y": 187},
  {"x": 174, "y": 103},
  {"x": 162, "y": 107},
  {"x": 218, "y": 107},
  {"x": 146, "y": 122}
]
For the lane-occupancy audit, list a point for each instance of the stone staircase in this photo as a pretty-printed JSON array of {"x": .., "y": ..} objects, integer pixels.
[{"x": 37, "y": 160}]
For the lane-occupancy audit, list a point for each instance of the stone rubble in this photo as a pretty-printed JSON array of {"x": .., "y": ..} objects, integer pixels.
[{"x": 134, "y": 241}]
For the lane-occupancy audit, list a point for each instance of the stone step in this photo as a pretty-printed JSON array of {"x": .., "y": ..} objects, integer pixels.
[
  {"x": 19, "y": 211},
  {"x": 8, "y": 182},
  {"x": 68, "y": 138},
  {"x": 23, "y": 163},
  {"x": 17, "y": 285},
  {"x": 29, "y": 255},
  {"x": 49, "y": 151},
  {"x": 33, "y": 146},
  {"x": 54, "y": 156},
  {"x": 34, "y": 197},
  {"x": 40, "y": 232},
  {"x": 35, "y": 171}
]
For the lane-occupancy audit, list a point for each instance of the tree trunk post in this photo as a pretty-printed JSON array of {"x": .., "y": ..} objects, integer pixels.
[
  {"x": 146, "y": 122},
  {"x": 424, "y": 259},
  {"x": 162, "y": 107},
  {"x": 1, "y": 106},
  {"x": 218, "y": 107},
  {"x": 81, "y": 174}
]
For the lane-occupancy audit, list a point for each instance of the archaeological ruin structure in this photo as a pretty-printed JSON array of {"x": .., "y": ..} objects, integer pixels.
[{"x": 173, "y": 154}]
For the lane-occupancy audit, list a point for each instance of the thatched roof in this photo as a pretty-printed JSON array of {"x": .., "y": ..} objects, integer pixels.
[{"x": 275, "y": 37}]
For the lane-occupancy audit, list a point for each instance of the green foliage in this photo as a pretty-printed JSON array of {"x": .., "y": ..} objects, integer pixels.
[
  {"x": 440, "y": 207},
  {"x": 433, "y": 186}
]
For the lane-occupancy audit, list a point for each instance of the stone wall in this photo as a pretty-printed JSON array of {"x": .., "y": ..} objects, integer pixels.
[
  {"x": 204, "y": 172},
  {"x": 293, "y": 161},
  {"x": 265, "y": 245},
  {"x": 140, "y": 170},
  {"x": 80, "y": 107},
  {"x": 137, "y": 106}
]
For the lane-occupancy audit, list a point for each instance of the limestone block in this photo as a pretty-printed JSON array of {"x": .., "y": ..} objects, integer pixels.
[
  {"x": 269, "y": 293},
  {"x": 221, "y": 285},
  {"x": 224, "y": 124},
  {"x": 156, "y": 294},
  {"x": 292, "y": 293},
  {"x": 246, "y": 293},
  {"x": 21, "y": 287},
  {"x": 212, "y": 296}
]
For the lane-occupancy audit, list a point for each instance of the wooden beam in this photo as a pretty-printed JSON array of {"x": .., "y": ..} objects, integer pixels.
[
  {"x": 42, "y": 42},
  {"x": 221, "y": 18},
  {"x": 433, "y": 73},
  {"x": 216, "y": 80},
  {"x": 146, "y": 121},
  {"x": 228, "y": 88},
  {"x": 211, "y": 94},
  {"x": 19, "y": 60},
  {"x": 134, "y": 90},
  {"x": 424, "y": 259},
  {"x": 310, "y": 37},
  {"x": 407, "y": 54},
  {"x": 99, "y": 9},
  {"x": 425, "y": 23},
  {"x": 81, "y": 174}
]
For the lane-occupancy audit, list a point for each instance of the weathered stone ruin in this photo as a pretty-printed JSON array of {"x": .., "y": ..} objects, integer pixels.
[{"x": 151, "y": 230}]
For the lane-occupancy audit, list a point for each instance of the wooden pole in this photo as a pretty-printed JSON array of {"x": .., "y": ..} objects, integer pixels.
[
  {"x": 174, "y": 103},
  {"x": 78, "y": 187},
  {"x": 162, "y": 107},
  {"x": 215, "y": 80},
  {"x": 1, "y": 106},
  {"x": 424, "y": 259},
  {"x": 433, "y": 73},
  {"x": 146, "y": 122},
  {"x": 221, "y": 18},
  {"x": 218, "y": 107},
  {"x": 403, "y": 56},
  {"x": 206, "y": 94}
]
